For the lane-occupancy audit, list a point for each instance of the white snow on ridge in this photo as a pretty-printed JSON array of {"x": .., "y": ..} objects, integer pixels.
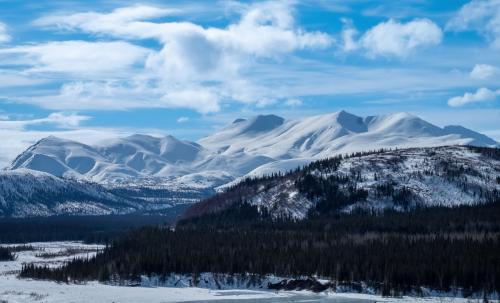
[
  {"x": 440, "y": 176},
  {"x": 335, "y": 133},
  {"x": 410, "y": 169},
  {"x": 253, "y": 147}
]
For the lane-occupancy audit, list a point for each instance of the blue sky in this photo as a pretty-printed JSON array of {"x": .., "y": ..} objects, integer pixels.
[{"x": 88, "y": 70}]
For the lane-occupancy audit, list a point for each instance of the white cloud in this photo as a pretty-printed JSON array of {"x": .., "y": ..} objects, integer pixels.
[
  {"x": 197, "y": 67},
  {"x": 484, "y": 71},
  {"x": 14, "y": 79},
  {"x": 481, "y": 95},
  {"x": 122, "y": 95},
  {"x": 201, "y": 99},
  {"x": 349, "y": 35},
  {"x": 79, "y": 57},
  {"x": 58, "y": 119},
  {"x": 4, "y": 35},
  {"x": 265, "y": 29},
  {"x": 102, "y": 95},
  {"x": 294, "y": 102},
  {"x": 182, "y": 119},
  {"x": 393, "y": 38},
  {"x": 481, "y": 16},
  {"x": 122, "y": 22}
]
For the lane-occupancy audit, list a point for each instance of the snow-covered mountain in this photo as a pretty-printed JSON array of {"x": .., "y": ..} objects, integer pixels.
[
  {"x": 138, "y": 159},
  {"x": 340, "y": 132},
  {"x": 172, "y": 169},
  {"x": 397, "y": 179},
  {"x": 116, "y": 159},
  {"x": 256, "y": 146}
]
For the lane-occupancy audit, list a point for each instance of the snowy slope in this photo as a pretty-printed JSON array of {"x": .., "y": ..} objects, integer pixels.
[
  {"x": 28, "y": 193},
  {"x": 294, "y": 143},
  {"x": 136, "y": 159},
  {"x": 25, "y": 193},
  {"x": 396, "y": 179},
  {"x": 116, "y": 159},
  {"x": 58, "y": 157},
  {"x": 340, "y": 132}
]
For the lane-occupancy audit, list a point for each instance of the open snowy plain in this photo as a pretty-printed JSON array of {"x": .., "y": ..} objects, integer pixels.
[{"x": 14, "y": 290}]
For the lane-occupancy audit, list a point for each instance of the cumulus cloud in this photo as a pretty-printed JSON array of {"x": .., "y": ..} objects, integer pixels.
[
  {"x": 481, "y": 95},
  {"x": 77, "y": 56},
  {"x": 4, "y": 35},
  {"x": 393, "y": 38},
  {"x": 197, "y": 67},
  {"x": 482, "y": 16},
  {"x": 484, "y": 71},
  {"x": 262, "y": 28}
]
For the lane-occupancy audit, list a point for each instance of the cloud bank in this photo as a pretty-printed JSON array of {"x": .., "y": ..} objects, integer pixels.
[{"x": 196, "y": 67}]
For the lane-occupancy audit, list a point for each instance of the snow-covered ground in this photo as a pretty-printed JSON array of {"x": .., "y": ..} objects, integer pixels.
[{"x": 13, "y": 290}]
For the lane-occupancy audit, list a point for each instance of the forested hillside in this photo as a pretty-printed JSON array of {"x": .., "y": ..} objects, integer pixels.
[{"x": 385, "y": 179}]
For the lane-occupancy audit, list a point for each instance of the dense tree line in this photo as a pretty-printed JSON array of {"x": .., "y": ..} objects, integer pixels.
[
  {"x": 6, "y": 254},
  {"x": 486, "y": 151},
  {"x": 92, "y": 229},
  {"x": 439, "y": 248}
]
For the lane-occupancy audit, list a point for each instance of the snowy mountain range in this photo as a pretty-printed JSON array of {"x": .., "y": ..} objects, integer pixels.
[
  {"x": 247, "y": 147},
  {"x": 265, "y": 143}
]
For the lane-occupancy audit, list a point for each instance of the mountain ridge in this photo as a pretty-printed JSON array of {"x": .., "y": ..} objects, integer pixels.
[
  {"x": 399, "y": 179},
  {"x": 240, "y": 148}
]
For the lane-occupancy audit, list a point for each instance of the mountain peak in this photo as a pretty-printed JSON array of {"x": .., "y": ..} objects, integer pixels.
[
  {"x": 402, "y": 123},
  {"x": 170, "y": 138},
  {"x": 263, "y": 123},
  {"x": 350, "y": 122}
]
